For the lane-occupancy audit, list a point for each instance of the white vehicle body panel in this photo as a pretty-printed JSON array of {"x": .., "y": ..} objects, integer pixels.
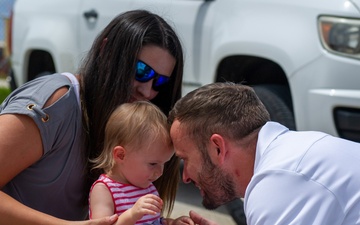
[{"x": 285, "y": 32}]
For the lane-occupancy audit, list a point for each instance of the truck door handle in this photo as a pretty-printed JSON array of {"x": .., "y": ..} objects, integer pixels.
[{"x": 90, "y": 14}]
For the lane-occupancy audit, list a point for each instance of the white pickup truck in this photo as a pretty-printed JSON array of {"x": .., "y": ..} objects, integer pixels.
[{"x": 302, "y": 57}]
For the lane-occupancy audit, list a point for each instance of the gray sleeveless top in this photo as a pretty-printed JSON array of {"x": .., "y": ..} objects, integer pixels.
[{"x": 54, "y": 184}]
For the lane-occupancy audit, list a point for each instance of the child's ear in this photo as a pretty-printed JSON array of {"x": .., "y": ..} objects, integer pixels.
[{"x": 119, "y": 153}]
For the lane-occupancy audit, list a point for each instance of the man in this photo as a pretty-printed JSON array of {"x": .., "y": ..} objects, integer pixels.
[{"x": 231, "y": 149}]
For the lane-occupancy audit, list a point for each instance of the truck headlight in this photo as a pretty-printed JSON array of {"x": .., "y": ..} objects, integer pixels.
[{"x": 340, "y": 35}]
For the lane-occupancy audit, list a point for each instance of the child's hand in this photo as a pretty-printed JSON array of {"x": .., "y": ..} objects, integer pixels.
[{"x": 146, "y": 205}]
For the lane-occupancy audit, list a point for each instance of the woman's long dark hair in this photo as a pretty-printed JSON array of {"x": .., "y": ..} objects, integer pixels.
[{"x": 107, "y": 76}]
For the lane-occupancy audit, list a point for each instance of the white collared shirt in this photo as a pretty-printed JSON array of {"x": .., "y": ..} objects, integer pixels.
[{"x": 303, "y": 178}]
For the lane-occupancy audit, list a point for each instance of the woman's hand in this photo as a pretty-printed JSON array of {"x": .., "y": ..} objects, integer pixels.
[{"x": 110, "y": 220}]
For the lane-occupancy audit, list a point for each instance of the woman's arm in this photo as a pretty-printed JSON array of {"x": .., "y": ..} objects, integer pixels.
[
  {"x": 20, "y": 141},
  {"x": 20, "y": 147},
  {"x": 13, "y": 212}
]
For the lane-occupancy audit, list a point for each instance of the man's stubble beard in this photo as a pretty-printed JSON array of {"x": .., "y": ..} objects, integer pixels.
[{"x": 218, "y": 187}]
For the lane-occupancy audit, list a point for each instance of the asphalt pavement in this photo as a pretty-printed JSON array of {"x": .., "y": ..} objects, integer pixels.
[{"x": 189, "y": 198}]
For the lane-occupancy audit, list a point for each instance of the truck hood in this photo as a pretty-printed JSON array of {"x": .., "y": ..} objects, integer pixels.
[{"x": 356, "y": 3}]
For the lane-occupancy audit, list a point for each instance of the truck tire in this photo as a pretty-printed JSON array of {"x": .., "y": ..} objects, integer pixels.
[
  {"x": 236, "y": 210},
  {"x": 277, "y": 100}
]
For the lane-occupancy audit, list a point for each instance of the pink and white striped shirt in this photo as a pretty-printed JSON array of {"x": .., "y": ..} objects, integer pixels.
[{"x": 125, "y": 195}]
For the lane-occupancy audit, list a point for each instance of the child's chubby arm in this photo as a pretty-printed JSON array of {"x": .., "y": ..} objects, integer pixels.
[
  {"x": 101, "y": 202},
  {"x": 102, "y": 205},
  {"x": 182, "y": 220},
  {"x": 146, "y": 205}
]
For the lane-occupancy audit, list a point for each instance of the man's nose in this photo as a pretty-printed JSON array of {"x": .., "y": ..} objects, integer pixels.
[{"x": 186, "y": 179}]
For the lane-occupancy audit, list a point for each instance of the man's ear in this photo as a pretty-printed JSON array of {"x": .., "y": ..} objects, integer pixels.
[
  {"x": 217, "y": 148},
  {"x": 119, "y": 153}
]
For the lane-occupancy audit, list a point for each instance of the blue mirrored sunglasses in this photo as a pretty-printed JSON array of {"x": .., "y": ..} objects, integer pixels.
[{"x": 144, "y": 73}]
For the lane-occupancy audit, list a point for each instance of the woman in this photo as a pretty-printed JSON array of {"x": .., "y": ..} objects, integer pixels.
[{"x": 51, "y": 126}]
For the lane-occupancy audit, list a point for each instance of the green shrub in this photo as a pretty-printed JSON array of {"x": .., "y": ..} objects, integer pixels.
[{"x": 4, "y": 92}]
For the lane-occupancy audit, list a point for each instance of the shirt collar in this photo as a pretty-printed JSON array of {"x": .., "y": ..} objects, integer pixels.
[{"x": 267, "y": 134}]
